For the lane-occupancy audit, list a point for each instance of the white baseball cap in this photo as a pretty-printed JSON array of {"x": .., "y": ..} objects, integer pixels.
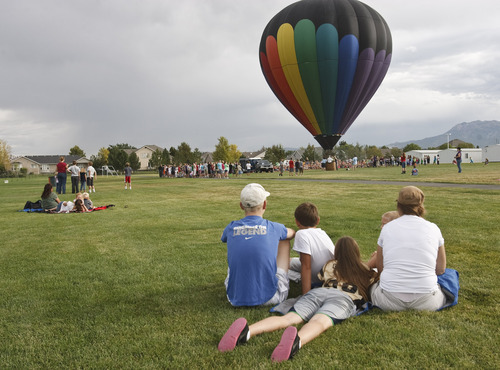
[{"x": 253, "y": 195}]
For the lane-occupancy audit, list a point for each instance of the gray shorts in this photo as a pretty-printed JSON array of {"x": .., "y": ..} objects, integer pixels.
[
  {"x": 328, "y": 301},
  {"x": 388, "y": 302},
  {"x": 283, "y": 288}
]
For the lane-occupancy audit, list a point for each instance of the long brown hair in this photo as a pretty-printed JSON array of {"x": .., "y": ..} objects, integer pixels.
[
  {"x": 79, "y": 205},
  {"x": 47, "y": 190},
  {"x": 350, "y": 268}
]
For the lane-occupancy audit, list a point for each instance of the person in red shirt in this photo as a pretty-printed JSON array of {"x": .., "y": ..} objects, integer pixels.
[{"x": 62, "y": 169}]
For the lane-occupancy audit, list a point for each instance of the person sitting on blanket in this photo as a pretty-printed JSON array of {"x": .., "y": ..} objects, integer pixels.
[
  {"x": 313, "y": 244},
  {"x": 346, "y": 281},
  {"x": 410, "y": 256},
  {"x": 50, "y": 200}
]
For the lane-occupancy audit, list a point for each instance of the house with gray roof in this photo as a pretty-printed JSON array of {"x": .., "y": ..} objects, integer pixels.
[{"x": 45, "y": 164}]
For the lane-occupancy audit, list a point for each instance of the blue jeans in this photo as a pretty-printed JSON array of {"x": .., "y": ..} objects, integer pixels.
[
  {"x": 61, "y": 183},
  {"x": 459, "y": 165}
]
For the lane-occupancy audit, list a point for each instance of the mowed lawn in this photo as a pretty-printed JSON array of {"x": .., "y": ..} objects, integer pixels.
[{"x": 140, "y": 285}]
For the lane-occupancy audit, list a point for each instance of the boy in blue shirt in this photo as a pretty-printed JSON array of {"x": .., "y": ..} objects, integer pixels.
[{"x": 258, "y": 253}]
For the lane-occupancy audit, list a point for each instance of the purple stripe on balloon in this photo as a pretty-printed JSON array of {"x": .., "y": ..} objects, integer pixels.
[
  {"x": 379, "y": 70},
  {"x": 361, "y": 79}
]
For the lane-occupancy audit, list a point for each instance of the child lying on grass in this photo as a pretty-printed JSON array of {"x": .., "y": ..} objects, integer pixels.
[{"x": 346, "y": 280}]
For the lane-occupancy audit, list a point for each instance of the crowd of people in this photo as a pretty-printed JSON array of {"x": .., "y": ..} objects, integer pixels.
[
  {"x": 223, "y": 169},
  {"x": 401, "y": 274}
]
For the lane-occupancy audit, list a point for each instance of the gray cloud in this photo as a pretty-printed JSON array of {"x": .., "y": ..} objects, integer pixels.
[{"x": 95, "y": 73}]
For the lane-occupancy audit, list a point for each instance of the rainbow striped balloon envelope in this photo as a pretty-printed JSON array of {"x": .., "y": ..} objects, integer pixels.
[{"x": 324, "y": 60}]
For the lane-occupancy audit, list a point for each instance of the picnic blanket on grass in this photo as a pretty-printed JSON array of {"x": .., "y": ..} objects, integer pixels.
[{"x": 41, "y": 210}]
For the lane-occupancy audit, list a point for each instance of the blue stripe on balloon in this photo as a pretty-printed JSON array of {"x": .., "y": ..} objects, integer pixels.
[
  {"x": 327, "y": 45},
  {"x": 348, "y": 52}
]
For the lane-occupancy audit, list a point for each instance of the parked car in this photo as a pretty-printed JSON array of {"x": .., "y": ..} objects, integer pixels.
[{"x": 263, "y": 165}]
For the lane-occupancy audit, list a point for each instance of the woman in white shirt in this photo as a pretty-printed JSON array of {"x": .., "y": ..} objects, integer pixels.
[{"x": 410, "y": 255}]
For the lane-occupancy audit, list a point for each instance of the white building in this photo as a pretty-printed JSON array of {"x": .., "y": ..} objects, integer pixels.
[
  {"x": 422, "y": 154},
  {"x": 492, "y": 152},
  {"x": 448, "y": 155}
]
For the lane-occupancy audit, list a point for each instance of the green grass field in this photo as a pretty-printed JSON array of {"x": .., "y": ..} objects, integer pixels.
[{"x": 140, "y": 285}]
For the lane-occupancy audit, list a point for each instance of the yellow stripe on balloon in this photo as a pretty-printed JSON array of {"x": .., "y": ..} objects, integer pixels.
[{"x": 288, "y": 59}]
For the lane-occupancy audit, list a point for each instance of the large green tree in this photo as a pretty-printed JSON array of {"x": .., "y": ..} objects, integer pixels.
[
  {"x": 221, "y": 152},
  {"x": 123, "y": 146},
  {"x": 5, "y": 154},
  {"x": 234, "y": 153},
  {"x": 373, "y": 150},
  {"x": 156, "y": 159},
  {"x": 310, "y": 154},
  {"x": 196, "y": 156},
  {"x": 101, "y": 159},
  {"x": 184, "y": 154},
  {"x": 117, "y": 157},
  {"x": 134, "y": 161},
  {"x": 76, "y": 150},
  {"x": 165, "y": 157},
  {"x": 411, "y": 146},
  {"x": 275, "y": 153}
]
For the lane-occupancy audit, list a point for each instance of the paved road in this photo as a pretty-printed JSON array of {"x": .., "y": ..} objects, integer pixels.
[{"x": 400, "y": 183}]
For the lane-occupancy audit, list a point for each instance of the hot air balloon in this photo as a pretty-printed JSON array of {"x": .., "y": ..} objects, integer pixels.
[{"x": 324, "y": 60}]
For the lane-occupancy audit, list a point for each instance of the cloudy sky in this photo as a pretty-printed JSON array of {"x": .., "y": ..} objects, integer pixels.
[{"x": 98, "y": 72}]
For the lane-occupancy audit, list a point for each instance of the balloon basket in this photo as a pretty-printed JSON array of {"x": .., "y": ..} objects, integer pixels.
[{"x": 330, "y": 166}]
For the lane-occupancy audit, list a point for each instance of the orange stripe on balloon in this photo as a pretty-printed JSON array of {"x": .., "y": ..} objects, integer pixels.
[
  {"x": 279, "y": 77},
  {"x": 288, "y": 58}
]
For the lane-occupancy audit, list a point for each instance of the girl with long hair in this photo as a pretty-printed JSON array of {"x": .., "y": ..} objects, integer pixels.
[{"x": 346, "y": 281}]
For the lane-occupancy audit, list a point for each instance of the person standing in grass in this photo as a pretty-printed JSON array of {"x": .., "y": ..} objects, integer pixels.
[
  {"x": 62, "y": 169},
  {"x": 410, "y": 256},
  {"x": 75, "y": 177},
  {"x": 128, "y": 175},
  {"x": 458, "y": 158},
  {"x": 83, "y": 179},
  {"x": 91, "y": 175},
  {"x": 258, "y": 253},
  {"x": 346, "y": 281},
  {"x": 313, "y": 244},
  {"x": 403, "y": 163}
]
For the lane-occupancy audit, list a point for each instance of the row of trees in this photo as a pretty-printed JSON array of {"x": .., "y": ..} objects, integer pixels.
[{"x": 118, "y": 155}]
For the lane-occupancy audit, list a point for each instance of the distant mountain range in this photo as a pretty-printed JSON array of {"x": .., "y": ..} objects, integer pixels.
[{"x": 479, "y": 133}]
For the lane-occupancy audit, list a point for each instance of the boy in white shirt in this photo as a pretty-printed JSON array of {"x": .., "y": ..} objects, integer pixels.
[{"x": 313, "y": 244}]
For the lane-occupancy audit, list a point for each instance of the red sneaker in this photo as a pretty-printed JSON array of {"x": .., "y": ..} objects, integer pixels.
[
  {"x": 236, "y": 334},
  {"x": 288, "y": 346}
]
